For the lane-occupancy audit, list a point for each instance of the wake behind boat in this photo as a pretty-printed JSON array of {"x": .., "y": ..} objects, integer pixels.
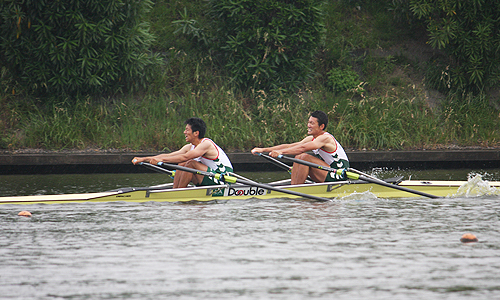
[{"x": 331, "y": 190}]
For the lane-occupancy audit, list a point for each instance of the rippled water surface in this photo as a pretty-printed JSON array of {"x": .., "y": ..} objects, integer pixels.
[{"x": 254, "y": 249}]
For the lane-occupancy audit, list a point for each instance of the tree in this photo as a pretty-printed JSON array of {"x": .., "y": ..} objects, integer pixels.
[
  {"x": 77, "y": 46},
  {"x": 469, "y": 31},
  {"x": 268, "y": 44}
]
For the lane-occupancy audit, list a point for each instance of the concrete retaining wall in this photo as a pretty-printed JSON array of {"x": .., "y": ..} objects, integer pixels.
[{"x": 120, "y": 162}]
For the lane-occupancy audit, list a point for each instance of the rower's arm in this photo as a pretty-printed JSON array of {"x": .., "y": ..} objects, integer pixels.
[
  {"x": 187, "y": 154},
  {"x": 307, "y": 144},
  {"x": 161, "y": 157},
  {"x": 274, "y": 148}
]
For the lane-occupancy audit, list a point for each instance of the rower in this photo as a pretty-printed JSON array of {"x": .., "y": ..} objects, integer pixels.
[
  {"x": 328, "y": 152},
  {"x": 200, "y": 153}
]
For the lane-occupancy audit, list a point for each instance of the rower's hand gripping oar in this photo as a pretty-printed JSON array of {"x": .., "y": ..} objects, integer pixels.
[
  {"x": 232, "y": 179},
  {"x": 356, "y": 176}
]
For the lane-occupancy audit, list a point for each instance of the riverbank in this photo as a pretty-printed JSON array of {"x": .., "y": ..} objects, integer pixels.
[
  {"x": 393, "y": 107},
  {"x": 118, "y": 161}
]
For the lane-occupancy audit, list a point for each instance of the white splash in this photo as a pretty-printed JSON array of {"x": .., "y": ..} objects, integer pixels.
[
  {"x": 475, "y": 187},
  {"x": 367, "y": 195}
]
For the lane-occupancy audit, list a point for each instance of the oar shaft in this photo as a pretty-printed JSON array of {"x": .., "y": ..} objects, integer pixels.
[
  {"x": 221, "y": 177},
  {"x": 360, "y": 173},
  {"x": 239, "y": 176},
  {"x": 352, "y": 175},
  {"x": 232, "y": 179},
  {"x": 367, "y": 177},
  {"x": 394, "y": 186},
  {"x": 310, "y": 164},
  {"x": 277, "y": 162},
  {"x": 157, "y": 168},
  {"x": 282, "y": 165},
  {"x": 285, "y": 191}
]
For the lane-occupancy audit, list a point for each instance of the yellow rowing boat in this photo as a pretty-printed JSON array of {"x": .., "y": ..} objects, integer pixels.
[{"x": 336, "y": 190}]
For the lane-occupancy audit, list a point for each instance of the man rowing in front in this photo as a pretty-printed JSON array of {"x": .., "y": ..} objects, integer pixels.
[
  {"x": 201, "y": 153},
  {"x": 328, "y": 152}
]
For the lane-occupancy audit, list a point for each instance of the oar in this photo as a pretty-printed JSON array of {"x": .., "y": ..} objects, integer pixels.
[
  {"x": 232, "y": 179},
  {"x": 159, "y": 169},
  {"x": 282, "y": 165},
  {"x": 360, "y": 173},
  {"x": 357, "y": 176},
  {"x": 277, "y": 162},
  {"x": 239, "y": 176}
]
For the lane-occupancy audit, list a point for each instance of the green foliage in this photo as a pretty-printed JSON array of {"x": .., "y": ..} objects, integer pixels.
[
  {"x": 402, "y": 13},
  {"x": 378, "y": 69},
  {"x": 165, "y": 18},
  {"x": 343, "y": 80},
  {"x": 394, "y": 113},
  {"x": 67, "y": 47},
  {"x": 269, "y": 44},
  {"x": 470, "y": 32},
  {"x": 191, "y": 28},
  {"x": 353, "y": 30}
]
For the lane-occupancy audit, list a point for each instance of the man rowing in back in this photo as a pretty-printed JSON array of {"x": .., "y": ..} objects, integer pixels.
[
  {"x": 201, "y": 153},
  {"x": 328, "y": 152}
]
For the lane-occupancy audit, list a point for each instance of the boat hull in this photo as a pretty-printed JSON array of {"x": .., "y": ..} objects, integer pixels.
[{"x": 336, "y": 190}]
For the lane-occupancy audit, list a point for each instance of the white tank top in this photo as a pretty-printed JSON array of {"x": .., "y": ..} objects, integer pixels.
[
  {"x": 221, "y": 163},
  {"x": 331, "y": 157}
]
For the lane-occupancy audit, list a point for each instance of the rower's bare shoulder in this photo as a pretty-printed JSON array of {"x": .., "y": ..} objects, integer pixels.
[
  {"x": 325, "y": 139},
  {"x": 210, "y": 151},
  {"x": 328, "y": 143},
  {"x": 307, "y": 139}
]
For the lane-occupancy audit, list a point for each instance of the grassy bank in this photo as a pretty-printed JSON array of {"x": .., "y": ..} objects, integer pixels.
[
  {"x": 394, "y": 109},
  {"x": 155, "y": 123}
]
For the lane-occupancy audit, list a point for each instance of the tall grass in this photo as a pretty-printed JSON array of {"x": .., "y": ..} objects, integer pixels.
[
  {"x": 470, "y": 122},
  {"x": 155, "y": 123},
  {"x": 384, "y": 123}
]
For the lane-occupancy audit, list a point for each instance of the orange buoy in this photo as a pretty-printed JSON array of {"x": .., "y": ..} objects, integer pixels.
[
  {"x": 24, "y": 213},
  {"x": 468, "y": 238}
]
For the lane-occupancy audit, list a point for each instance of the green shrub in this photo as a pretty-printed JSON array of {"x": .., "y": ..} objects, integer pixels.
[
  {"x": 343, "y": 80},
  {"x": 167, "y": 17},
  {"x": 469, "y": 31},
  {"x": 66, "y": 47},
  {"x": 268, "y": 44}
]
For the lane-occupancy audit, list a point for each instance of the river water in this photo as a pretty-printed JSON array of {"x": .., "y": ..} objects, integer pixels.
[{"x": 275, "y": 249}]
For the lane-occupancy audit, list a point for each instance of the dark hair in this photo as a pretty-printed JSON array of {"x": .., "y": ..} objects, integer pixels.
[
  {"x": 197, "y": 124},
  {"x": 321, "y": 116}
]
